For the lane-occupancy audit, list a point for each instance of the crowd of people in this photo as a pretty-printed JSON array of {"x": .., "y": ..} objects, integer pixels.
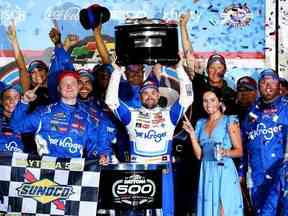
[{"x": 236, "y": 138}]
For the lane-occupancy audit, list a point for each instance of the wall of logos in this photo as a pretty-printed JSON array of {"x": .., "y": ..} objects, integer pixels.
[{"x": 243, "y": 31}]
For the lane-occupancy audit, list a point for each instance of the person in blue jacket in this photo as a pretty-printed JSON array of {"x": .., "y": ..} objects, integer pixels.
[
  {"x": 10, "y": 141},
  {"x": 264, "y": 138},
  {"x": 96, "y": 112},
  {"x": 61, "y": 60},
  {"x": 65, "y": 128},
  {"x": 277, "y": 201},
  {"x": 151, "y": 127}
]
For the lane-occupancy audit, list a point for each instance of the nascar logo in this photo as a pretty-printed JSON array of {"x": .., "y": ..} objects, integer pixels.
[
  {"x": 44, "y": 191},
  {"x": 237, "y": 15}
]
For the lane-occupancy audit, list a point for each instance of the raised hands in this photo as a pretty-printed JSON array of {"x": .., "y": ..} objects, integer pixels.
[
  {"x": 55, "y": 36},
  {"x": 30, "y": 95},
  {"x": 187, "y": 126},
  {"x": 11, "y": 32},
  {"x": 70, "y": 41},
  {"x": 116, "y": 66},
  {"x": 184, "y": 18}
]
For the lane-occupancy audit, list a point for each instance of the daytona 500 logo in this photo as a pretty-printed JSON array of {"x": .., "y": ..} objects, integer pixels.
[{"x": 134, "y": 190}]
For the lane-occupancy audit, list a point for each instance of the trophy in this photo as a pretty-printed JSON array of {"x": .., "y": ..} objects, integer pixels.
[{"x": 146, "y": 41}]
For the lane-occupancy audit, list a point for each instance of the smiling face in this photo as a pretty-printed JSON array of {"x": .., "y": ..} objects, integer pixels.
[
  {"x": 10, "y": 99},
  {"x": 69, "y": 88},
  {"x": 269, "y": 88},
  {"x": 85, "y": 87},
  {"x": 216, "y": 72},
  {"x": 135, "y": 74},
  {"x": 39, "y": 76},
  {"x": 150, "y": 98},
  {"x": 211, "y": 103}
]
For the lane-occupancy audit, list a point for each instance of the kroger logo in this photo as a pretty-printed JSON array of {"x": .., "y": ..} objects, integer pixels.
[
  {"x": 67, "y": 142},
  {"x": 12, "y": 146},
  {"x": 261, "y": 129},
  {"x": 151, "y": 134}
]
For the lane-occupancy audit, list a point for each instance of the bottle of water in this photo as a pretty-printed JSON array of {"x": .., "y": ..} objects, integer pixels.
[{"x": 218, "y": 157}]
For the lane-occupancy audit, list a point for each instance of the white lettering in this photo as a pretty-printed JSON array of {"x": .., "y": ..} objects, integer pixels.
[
  {"x": 66, "y": 143},
  {"x": 262, "y": 130}
]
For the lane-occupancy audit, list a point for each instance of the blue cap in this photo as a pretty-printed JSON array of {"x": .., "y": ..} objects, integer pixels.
[
  {"x": 85, "y": 73},
  {"x": 16, "y": 87},
  {"x": 216, "y": 58},
  {"x": 148, "y": 84},
  {"x": 37, "y": 64},
  {"x": 268, "y": 72}
]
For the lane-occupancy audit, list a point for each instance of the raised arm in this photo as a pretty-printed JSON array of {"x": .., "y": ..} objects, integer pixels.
[
  {"x": 61, "y": 60},
  {"x": 186, "y": 94},
  {"x": 192, "y": 64},
  {"x": 119, "y": 109},
  {"x": 24, "y": 74},
  {"x": 100, "y": 45},
  {"x": 186, "y": 44},
  {"x": 22, "y": 122}
]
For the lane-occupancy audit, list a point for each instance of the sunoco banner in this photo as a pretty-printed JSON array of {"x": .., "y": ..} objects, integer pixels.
[{"x": 48, "y": 185}]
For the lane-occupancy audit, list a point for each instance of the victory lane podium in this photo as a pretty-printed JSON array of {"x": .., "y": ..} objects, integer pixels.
[
  {"x": 131, "y": 187},
  {"x": 32, "y": 185}
]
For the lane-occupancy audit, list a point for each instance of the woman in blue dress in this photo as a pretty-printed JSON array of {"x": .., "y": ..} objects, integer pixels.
[{"x": 216, "y": 140}]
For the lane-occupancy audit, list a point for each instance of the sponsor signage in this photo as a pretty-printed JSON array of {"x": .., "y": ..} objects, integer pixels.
[{"x": 126, "y": 189}]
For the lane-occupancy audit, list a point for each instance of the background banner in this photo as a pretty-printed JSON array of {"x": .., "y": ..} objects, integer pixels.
[{"x": 239, "y": 30}]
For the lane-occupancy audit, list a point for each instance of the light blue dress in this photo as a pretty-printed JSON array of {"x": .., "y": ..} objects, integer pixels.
[{"x": 218, "y": 183}]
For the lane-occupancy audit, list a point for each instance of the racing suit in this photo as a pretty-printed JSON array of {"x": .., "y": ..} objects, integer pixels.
[
  {"x": 100, "y": 118},
  {"x": 278, "y": 196},
  {"x": 62, "y": 130},
  {"x": 151, "y": 130},
  {"x": 9, "y": 140},
  {"x": 264, "y": 138}
]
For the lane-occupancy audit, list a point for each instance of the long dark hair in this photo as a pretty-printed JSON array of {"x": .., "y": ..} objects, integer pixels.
[{"x": 219, "y": 95}]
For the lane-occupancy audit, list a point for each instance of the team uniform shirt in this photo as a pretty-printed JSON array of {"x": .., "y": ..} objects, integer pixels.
[
  {"x": 61, "y": 130},
  {"x": 100, "y": 119},
  {"x": 10, "y": 141},
  {"x": 151, "y": 130},
  {"x": 130, "y": 94},
  {"x": 277, "y": 201},
  {"x": 264, "y": 137}
]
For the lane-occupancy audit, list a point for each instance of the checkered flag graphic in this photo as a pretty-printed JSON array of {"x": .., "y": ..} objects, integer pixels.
[{"x": 31, "y": 185}]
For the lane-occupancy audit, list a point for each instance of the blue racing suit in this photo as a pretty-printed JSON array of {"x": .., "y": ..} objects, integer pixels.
[
  {"x": 100, "y": 119},
  {"x": 278, "y": 196},
  {"x": 130, "y": 94},
  {"x": 151, "y": 130},
  {"x": 264, "y": 132},
  {"x": 62, "y": 130},
  {"x": 9, "y": 140}
]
